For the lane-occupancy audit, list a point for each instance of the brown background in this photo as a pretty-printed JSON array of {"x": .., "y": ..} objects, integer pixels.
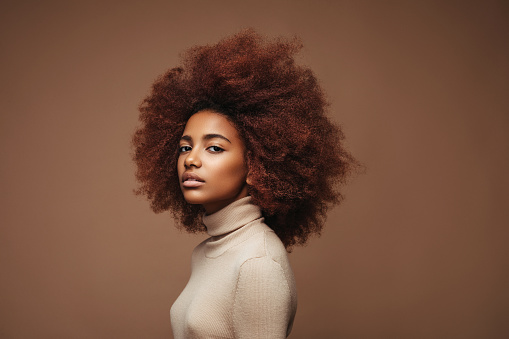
[{"x": 417, "y": 250}]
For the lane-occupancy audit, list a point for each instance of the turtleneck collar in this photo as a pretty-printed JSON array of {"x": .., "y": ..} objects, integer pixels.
[{"x": 232, "y": 217}]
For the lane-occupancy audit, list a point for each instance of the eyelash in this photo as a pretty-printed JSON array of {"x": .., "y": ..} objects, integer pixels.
[
  {"x": 183, "y": 149},
  {"x": 217, "y": 149}
]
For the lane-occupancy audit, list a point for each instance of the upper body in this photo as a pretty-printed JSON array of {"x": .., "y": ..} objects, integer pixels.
[
  {"x": 241, "y": 284},
  {"x": 239, "y": 130}
]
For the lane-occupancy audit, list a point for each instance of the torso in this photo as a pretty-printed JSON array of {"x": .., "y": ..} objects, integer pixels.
[{"x": 232, "y": 275}]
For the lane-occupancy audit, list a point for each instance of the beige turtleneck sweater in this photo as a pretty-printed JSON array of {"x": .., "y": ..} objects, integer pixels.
[{"x": 241, "y": 283}]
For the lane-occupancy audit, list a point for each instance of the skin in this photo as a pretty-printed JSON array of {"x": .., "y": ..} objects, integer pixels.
[{"x": 211, "y": 166}]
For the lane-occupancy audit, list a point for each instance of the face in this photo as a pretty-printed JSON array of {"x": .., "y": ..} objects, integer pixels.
[{"x": 211, "y": 165}]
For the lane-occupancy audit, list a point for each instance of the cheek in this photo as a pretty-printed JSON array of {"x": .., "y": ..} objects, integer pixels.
[
  {"x": 236, "y": 171},
  {"x": 226, "y": 171}
]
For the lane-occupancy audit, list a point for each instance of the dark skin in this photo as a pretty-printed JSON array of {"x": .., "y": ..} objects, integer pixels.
[
  {"x": 294, "y": 153},
  {"x": 211, "y": 166}
]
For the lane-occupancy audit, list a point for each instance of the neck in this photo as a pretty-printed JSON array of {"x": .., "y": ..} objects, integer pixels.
[
  {"x": 233, "y": 216},
  {"x": 219, "y": 205}
]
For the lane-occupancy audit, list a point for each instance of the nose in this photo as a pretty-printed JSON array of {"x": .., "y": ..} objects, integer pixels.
[{"x": 192, "y": 159}]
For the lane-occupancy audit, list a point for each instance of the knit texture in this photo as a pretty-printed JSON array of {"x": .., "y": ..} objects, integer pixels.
[{"x": 241, "y": 283}]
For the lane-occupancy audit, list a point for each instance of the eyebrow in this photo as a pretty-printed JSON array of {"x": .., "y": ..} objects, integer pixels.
[{"x": 206, "y": 137}]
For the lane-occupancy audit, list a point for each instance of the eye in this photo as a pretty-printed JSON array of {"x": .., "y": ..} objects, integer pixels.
[
  {"x": 215, "y": 149},
  {"x": 183, "y": 149}
]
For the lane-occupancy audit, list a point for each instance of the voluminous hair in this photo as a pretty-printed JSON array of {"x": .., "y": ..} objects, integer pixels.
[{"x": 295, "y": 154}]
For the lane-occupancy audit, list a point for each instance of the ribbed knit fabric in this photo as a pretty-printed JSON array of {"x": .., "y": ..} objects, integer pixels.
[{"x": 241, "y": 283}]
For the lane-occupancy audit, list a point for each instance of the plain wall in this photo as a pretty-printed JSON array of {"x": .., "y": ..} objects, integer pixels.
[{"x": 418, "y": 248}]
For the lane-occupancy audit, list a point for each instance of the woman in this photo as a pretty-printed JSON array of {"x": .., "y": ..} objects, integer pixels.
[{"x": 235, "y": 142}]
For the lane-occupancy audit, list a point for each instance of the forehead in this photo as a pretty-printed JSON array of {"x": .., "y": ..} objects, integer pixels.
[{"x": 209, "y": 122}]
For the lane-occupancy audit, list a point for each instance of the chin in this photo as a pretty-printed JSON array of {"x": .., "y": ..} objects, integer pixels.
[{"x": 193, "y": 198}]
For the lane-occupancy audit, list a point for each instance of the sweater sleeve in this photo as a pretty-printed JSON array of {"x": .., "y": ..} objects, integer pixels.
[{"x": 262, "y": 306}]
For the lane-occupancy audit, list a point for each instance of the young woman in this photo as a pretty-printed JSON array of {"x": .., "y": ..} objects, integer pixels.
[{"x": 236, "y": 143}]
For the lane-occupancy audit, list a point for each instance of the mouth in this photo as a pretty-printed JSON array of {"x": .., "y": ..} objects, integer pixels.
[{"x": 190, "y": 180}]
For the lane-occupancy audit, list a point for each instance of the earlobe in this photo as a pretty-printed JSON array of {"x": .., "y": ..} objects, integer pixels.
[{"x": 248, "y": 176}]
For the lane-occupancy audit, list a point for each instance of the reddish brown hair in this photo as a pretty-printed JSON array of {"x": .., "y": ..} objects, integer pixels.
[{"x": 294, "y": 152}]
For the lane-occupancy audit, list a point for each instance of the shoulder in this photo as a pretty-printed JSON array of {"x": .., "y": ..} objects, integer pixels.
[
  {"x": 274, "y": 246},
  {"x": 262, "y": 243},
  {"x": 265, "y": 258},
  {"x": 258, "y": 276}
]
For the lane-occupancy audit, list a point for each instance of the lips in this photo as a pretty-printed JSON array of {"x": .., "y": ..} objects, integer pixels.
[{"x": 190, "y": 179}]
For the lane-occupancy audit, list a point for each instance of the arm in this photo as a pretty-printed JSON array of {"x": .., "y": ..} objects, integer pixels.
[{"x": 262, "y": 306}]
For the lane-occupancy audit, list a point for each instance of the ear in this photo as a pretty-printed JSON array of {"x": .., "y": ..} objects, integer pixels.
[{"x": 249, "y": 179}]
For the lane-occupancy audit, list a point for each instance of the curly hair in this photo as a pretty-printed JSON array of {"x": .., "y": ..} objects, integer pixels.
[{"x": 294, "y": 152}]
